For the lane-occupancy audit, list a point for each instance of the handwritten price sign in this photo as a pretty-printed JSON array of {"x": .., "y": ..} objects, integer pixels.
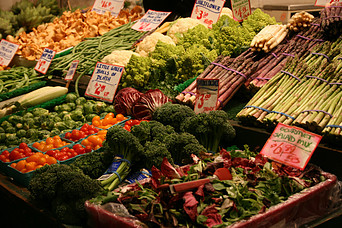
[
  {"x": 207, "y": 95},
  {"x": 102, "y": 6},
  {"x": 44, "y": 62},
  {"x": 7, "y": 52},
  {"x": 72, "y": 70},
  {"x": 151, "y": 20},
  {"x": 291, "y": 146},
  {"x": 207, "y": 11},
  {"x": 104, "y": 81},
  {"x": 324, "y": 2},
  {"x": 241, "y": 9}
]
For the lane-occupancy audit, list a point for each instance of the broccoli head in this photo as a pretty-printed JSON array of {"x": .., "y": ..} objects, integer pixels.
[
  {"x": 154, "y": 153},
  {"x": 151, "y": 130},
  {"x": 172, "y": 114},
  {"x": 121, "y": 142},
  {"x": 210, "y": 129},
  {"x": 182, "y": 145},
  {"x": 64, "y": 189},
  {"x": 92, "y": 164}
]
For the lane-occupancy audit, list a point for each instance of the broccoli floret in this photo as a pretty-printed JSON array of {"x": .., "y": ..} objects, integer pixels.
[
  {"x": 63, "y": 189},
  {"x": 71, "y": 98},
  {"x": 121, "y": 142},
  {"x": 154, "y": 153},
  {"x": 92, "y": 164},
  {"x": 210, "y": 129},
  {"x": 151, "y": 130},
  {"x": 181, "y": 146},
  {"x": 172, "y": 114}
]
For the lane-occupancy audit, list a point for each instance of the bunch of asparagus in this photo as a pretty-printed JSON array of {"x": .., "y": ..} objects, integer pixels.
[
  {"x": 306, "y": 93},
  {"x": 268, "y": 38},
  {"x": 331, "y": 19},
  {"x": 300, "y": 20}
]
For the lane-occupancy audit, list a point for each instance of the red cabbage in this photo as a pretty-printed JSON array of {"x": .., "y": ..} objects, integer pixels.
[
  {"x": 125, "y": 99},
  {"x": 147, "y": 104}
]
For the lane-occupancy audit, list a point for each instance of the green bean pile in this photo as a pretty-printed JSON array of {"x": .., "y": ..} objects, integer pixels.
[
  {"x": 17, "y": 78},
  {"x": 95, "y": 49}
]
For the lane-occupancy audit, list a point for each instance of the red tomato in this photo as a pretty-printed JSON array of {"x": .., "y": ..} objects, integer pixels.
[
  {"x": 88, "y": 149},
  {"x": 3, "y": 157},
  {"x": 63, "y": 157},
  {"x": 50, "y": 153},
  {"x": 135, "y": 122},
  {"x": 14, "y": 155},
  {"x": 127, "y": 127},
  {"x": 68, "y": 135},
  {"x": 5, "y": 153},
  {"x": 129, "y": 122},
  {"x": 22, "y": 145},
  {"x": 82, "y": 135},
  {"x": 75, "y": 135},
  {"x": 73, "y": 154},
  {"x": 80, "y": 150},
  {"x": 85, "y": 127},
  {"x": 91, "y": 132}
]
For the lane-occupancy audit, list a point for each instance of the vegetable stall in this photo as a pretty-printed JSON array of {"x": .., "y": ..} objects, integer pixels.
[{"x": 142, "y": 153}]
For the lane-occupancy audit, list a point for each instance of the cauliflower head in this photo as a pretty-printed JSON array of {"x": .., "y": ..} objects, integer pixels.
[
  {"x": 149, "y": 43},
  {"x": 119, "y": 57},
  {"x": 181, "y": 26}
]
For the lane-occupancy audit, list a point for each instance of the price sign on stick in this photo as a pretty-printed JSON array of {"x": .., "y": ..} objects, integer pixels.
[
  {"x": 44, "y": 62},
  {"x": 72, "y": 70},
  {"x": 241, "y": 9},
  {"x": 290, "y": 145},
  {"x": 7, "y": 52},
  {"x": 151, "y": 20},
  {"x": 207, "y": 11},
  {"x": 113, "y": 6},
  {"x": 104, "y": 81},
  {"x": 206, "y": 95}
]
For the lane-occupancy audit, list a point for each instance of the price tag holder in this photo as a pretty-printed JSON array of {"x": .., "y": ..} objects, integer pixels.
[
  {"x": 44, "y": 62},
  {"x": 207, "y": 11},
  {"x": 72, "y": 70},
  {"x": 206, "y": 95},
  {"x": 323, "y": 3},
  {"x": 7, "y": 52},
  {"x": 241, "y": 9},
  {"x": 104, "y": 81},
  {"x": 102, "y": 6},
  {"x": 290, "y": 145},
  {"x": 151, "y": 20}
]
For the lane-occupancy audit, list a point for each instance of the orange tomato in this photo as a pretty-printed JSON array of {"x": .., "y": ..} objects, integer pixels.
[
  {"x": 102, "y": 132},
  {"x": 39, "y": 166},
  {"x": 41, "y": 161},
  {"x": 49, "y": 140},
  {"x": 120, "y": 117},
  {"x": 106, "y": 120},
  {"x": 13, "y": 165},
  {"x": 94, "y": 139},
  {"x": 51, "y": 160},
  {"x": 30, "y": 166},
  {"x": 110, "y": 114},
  {"x": 86, "y": 142},
  {"x": 97, "y": 147},
  {"x": 41, "y": 147},
  {"x": 21, "y": 165},
  {"x": 36, "y": 144},
  {"x": 96, "y": 123},
  {"x": 33, "y": 158},
  {"x": 113, "y": 121},
  {"x": 95, "y": 118}
]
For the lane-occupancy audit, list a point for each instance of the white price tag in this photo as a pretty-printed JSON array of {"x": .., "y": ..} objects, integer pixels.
[
  {"x": 324, "y": 2},
  {"x": 207, "y": 11},
  {"x": 241, "y": 9},
  {"x": 102, "y": 6},
  {"x": 104, "y": 81},
  {"x": 72, "y": 70},
  {"x": 44, "y": 62},
  {"x": 151, "y": 20},
  {"x": 7, "y": 52},
  {"x": 206, "y": 95}
]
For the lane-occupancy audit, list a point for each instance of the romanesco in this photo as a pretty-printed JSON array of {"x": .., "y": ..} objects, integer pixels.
[{"x": 257, "y": 21}]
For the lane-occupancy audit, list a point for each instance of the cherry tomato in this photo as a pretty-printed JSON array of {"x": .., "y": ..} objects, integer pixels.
[
  {"x": 127, "y": 127},
  {"x": 68, "y": 135},
  {"x": 120, "y": 117},
  {"x": 5, "y": 153},
  {"x": 2, "y": 157},
  {"x": 75, "y": 135},
  {"x": 129, "y": 122},
  {"x": 22, "y": 145},
  {"x": 88, "y": 149}
]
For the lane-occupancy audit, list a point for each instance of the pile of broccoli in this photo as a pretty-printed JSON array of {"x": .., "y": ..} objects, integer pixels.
[
  {"x": 63, "y": 190},
  {"x": 211, "y": 130},
  {"x": 40, "y": 123}
]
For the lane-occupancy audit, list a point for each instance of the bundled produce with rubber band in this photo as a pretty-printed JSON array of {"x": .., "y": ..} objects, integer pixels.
[
  {"x": 305, "y": 93},
  {"x": 300, "y": 20},
  {"x": 268, "y": 38},
  {"x": 331, "y": 19}
]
